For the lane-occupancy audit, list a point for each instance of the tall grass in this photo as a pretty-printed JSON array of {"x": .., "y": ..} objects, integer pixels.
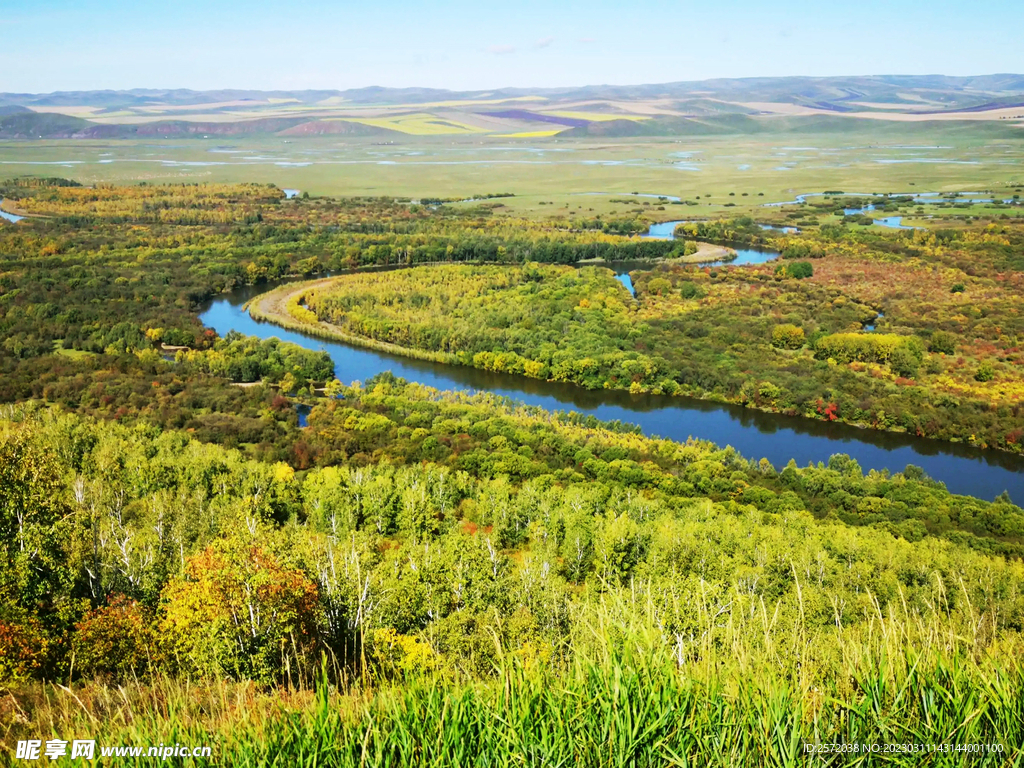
[{"x": 619, "y": 692}]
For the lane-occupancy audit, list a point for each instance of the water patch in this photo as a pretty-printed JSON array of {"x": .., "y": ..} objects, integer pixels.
[
  {"x": 935, "y": 160},
  {"x": 666, "y": 230},
  {"x": 892, "y": 222},
  {"x": 188, "y": 163},
  {"x": 9, "y": 216},
  {"x": 745, "y": 257}
]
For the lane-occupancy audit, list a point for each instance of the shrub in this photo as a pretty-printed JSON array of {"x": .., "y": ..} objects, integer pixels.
[
  {"x": 942, "y": 341},
  {"x": 798, "y": 270},
  {"x": 985, "y": 372},
  {"x": 114, "y": 640},
  {"x": 690, "y": 290},
  {"x": 788, "y": 336},
  {"x": 659, "y": 286},
  {"x": 958, "y": 288},
  {"x": 23, "y": 649},
  {"x": 903, "y": 362}
]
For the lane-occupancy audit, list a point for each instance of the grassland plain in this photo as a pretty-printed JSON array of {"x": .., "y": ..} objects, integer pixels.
[{"x": 550, "y": 175}]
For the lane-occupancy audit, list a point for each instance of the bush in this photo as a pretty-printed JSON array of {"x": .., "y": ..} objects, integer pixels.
[
  {"x": 942, "y": 341},
  {"x": 798, "y": 270},
  {"x": 802, "y": 251},
  {"x": 958, "y": 288},
  {"x": 659, "y": 286},
  {"x": 788, "y": 336},
  {"x": 23, "y": 649},
  {"x": 985, "y": 372},
  {"x": 902, "y": 362},
  {"x": 114, "y": 641},
  {"x": 690, "y": 290}
]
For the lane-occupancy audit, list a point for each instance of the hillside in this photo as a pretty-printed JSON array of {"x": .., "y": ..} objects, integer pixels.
[{"x": 666, "y": 109}]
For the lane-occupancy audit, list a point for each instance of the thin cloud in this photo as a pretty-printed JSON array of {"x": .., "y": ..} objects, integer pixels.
[
  {"x": 501, "y": 50},
  {"x": 587, "y": 40},
  {"x": 544, "y": 42}
]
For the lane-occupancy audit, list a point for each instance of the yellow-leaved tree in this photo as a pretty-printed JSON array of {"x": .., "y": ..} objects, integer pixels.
[{"x": 239, "y": 612}]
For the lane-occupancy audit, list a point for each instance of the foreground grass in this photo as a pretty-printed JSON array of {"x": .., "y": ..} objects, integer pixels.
[{"x": 623, "y": 698}]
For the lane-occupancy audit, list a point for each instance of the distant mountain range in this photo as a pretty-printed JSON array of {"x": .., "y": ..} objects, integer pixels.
[{"x": 713, "y": 106}]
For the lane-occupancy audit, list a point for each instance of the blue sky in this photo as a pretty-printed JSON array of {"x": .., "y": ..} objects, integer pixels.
[{"x": 53, "y": 45}]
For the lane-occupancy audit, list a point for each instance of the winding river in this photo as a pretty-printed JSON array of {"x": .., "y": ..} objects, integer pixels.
[{"x": 755, "y": 434}]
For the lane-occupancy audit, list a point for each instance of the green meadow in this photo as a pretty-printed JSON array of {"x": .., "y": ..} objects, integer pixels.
[{"x": 549, "y": 174}]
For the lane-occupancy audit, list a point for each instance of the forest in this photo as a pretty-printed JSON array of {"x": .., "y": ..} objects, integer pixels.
[{"x": 417, "y": 576}]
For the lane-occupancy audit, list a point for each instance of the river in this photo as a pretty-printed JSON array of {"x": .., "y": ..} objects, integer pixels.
[{"x": 753, "y": 433}]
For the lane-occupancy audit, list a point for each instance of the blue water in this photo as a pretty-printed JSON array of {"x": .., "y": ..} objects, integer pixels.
[
  {"x": 624, "y": 278},
  {"x": 922, "y": 198},
  {"x": 745, "y": 257},
  {"x": 669, "y": 198},
  {"x": 666, "y": 230},
  {"x": 9, "y": 216},
  {"x": 893, "y": 222}
]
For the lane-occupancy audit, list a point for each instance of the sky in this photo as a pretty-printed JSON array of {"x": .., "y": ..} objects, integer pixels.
[{"x": 51, "y": 45}]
